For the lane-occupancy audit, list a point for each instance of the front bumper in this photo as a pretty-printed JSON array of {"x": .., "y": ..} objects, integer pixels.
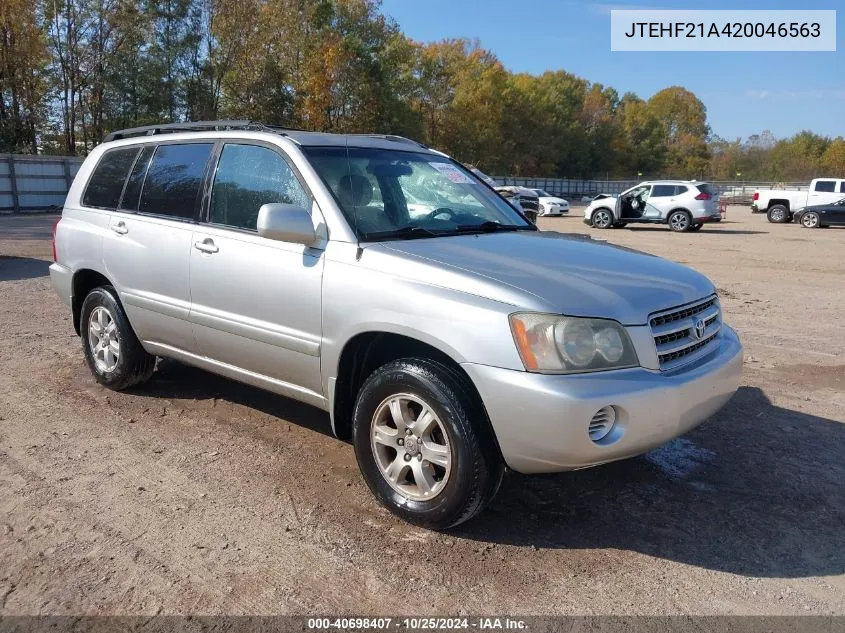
[{"x": 541, "y": 421}]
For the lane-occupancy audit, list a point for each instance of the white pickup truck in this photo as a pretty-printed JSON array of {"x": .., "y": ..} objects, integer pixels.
[{"x": 779, "y": 205}]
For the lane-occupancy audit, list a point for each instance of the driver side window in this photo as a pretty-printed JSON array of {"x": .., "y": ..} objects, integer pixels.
[{"x": 247, "y": 177}]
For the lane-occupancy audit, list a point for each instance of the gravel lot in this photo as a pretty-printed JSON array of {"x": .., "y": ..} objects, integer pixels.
[{"x": 194, "y": 494}]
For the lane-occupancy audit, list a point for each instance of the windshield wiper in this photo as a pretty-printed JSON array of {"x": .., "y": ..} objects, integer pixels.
[
  {"x": 489, "y": 227},
  {"x": 406, "y": 232}
]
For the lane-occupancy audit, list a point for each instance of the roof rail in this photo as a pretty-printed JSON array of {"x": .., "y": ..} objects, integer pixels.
[
  {"x": 194, "y": 126},
  {"x": 395, "y": 138}
]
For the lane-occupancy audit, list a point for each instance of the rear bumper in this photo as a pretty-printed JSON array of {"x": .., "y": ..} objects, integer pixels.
[
  {"x": 541, "y": 421},
  {"x": 62, "y": 279}
]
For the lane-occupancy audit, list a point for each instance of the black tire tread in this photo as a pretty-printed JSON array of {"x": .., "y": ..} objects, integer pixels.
[
  {"x": 140, "y": 364},
  {"x": 487, "y": 467}
]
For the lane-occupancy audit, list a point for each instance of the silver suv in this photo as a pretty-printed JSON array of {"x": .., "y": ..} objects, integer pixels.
[
  {"x": 685, "y": 205},
  {"x": 447, "y": 344}
]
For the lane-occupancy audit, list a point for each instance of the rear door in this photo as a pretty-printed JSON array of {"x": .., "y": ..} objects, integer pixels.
[
  {"x": 148, "y": 249},
  {"x": 824, "y": 192},
  {"x": 256, "y": 303},
  {"x": 660, "y": 202}
]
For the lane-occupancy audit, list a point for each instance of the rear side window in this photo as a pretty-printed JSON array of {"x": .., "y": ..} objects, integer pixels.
[
  {"x": 247, "y": 177},
  {"x": 106, "y": 184},
  {"x": 132, "y": 192},
  {"x": 826, "y": 185},
  {"x": 174, "y": 180},
  {"x": 662, "y": 191}
]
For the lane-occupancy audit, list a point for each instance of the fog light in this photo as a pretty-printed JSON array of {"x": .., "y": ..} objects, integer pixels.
[{"x": 602, "y": 423}]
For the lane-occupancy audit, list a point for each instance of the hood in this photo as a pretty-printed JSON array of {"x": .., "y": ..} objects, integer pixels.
[
  {"x": 553, "y": 200},
  {"x": 565, "y": 274}
]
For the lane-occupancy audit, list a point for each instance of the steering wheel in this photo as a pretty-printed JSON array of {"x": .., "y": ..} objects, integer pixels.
[{"x": 440, "y": 211}]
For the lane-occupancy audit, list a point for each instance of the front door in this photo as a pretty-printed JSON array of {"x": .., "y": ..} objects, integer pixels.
[
  {"x": 834, "y": 213},
  {"x": 256, "y": 303}
]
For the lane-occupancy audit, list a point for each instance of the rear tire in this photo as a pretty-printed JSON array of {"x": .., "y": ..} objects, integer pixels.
[
  {"x": 679, "y": 221},
  {"x": 422, "y": 445},
  {"x": 112, "y": 351},
  {"x": 778, "y": 214}
]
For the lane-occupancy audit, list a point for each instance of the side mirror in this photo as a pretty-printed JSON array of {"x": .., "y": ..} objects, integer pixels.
[{"x": 286, "y": 223}]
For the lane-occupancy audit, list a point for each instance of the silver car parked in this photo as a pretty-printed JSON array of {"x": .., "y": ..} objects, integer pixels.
[{"x": 447, "y": 345}]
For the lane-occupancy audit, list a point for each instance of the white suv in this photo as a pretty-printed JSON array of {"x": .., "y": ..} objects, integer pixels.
[{"x": 685, "y": 205}]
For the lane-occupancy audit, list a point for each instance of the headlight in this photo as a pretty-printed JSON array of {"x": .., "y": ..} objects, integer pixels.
[
  {"x": 542, "y": 208},
  {"x": 549, "y": 343}
]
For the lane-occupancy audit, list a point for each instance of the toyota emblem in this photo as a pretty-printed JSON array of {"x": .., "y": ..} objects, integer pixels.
[{"x": 698, "y": 329}]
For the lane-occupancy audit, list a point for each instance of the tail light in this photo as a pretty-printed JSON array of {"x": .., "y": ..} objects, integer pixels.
[
  {"x": 704, "y": 196},
  {"x": 55, "y": 228},
  {"x": 756, "y": 196}
]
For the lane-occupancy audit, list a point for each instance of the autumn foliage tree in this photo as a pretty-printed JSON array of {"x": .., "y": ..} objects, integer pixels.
[{"x": 72, "y": 70}]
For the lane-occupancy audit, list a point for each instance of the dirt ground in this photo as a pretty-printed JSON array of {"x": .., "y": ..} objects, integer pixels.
[{"x": 195, "y": 494}]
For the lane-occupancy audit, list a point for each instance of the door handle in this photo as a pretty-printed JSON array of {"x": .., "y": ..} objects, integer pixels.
[
  {"x": 206, "y": 246},
  {"x": 120, "y": 228}
]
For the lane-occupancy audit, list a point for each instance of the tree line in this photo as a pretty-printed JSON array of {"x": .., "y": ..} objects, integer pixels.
[{"x": 73, "y": 70}]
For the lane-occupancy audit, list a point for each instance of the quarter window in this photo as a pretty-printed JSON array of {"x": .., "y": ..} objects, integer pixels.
[
  {"x": 679, "y": 189},
  {"x": 826, "y": 185},
  {"x": 247, "y": 177},
  {"x": 842, "y": 186},
  {"x": 663, "y": 191},
  {"x": 174, "y": 179},
  {"x": 106, "y": 182}
]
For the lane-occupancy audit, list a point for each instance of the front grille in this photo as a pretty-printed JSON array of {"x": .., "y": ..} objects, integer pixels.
[{"x": 675, "y": 336}]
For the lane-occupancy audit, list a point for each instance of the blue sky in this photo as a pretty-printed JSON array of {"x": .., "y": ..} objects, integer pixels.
[{"x": 745, "y": 93}]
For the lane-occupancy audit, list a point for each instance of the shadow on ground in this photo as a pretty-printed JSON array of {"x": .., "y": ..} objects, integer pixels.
[
  {"x": 174, "y": 380},
  {"x": 757, "y": 490},
  {"x": 18, "y": 268}
]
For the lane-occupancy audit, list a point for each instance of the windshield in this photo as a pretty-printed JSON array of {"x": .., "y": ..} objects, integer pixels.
[
  {"x": 389, "y": 194},
  {"x": 543, "y": 194}
]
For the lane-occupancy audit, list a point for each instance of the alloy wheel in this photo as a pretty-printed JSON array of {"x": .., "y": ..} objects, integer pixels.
[
  {"x": 103, "y": 339},
  {"x": 601, "y": 219},
  {"x": 411, "y": 447}
]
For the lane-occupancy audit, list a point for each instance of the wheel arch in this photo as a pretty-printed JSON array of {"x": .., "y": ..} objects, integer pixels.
[
  {"x": 366, "y": 351},
  {"x": 84, "y": 281},
  {"x": 777, "y": 201}
]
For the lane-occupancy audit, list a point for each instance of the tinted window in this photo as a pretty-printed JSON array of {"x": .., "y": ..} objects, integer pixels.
[
  {"x": 705, "y": 188},
  {"x": 129, "y": 202},
  {"x": 826, "y": 185},
  {"x": 662, "y": 191},
  {"x": 679, "y": 189},
  {"x": 174, "y": 180},
  {"x": 247, "y": 177},
  {"x": 842, "y": 186},
  {"x": 106, "y": 182}
]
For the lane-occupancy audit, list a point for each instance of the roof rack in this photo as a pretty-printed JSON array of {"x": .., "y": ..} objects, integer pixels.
[{"x": 195, "y": 126}]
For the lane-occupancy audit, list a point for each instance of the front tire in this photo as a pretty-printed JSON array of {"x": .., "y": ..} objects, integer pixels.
[
  {"x": 777, "y": 214},
  {"x": 602, "y": 219},
  {"x": 679, "y": 221},
  {"x": 810, "y": 220},
  {"x": 421, "y": 445},
  {"x": 112, "y": 351}
]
